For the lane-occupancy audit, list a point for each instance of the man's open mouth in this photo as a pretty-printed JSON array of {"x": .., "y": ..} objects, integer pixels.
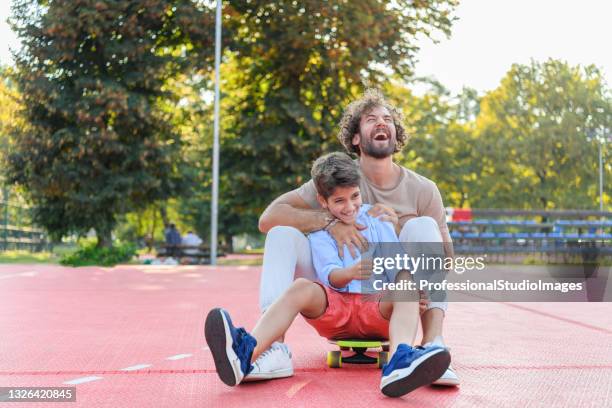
[{"x": 381, "y": 136}]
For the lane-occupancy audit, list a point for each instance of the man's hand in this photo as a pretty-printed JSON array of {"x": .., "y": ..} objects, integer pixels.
[
  {"x": 349, "y": 235},
  {"x": 385, "y": 213}
]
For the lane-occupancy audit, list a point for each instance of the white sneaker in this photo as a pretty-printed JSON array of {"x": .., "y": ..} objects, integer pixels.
[
  {"x": 449, "y": 378},
  {"x": 275, "y": 362}
]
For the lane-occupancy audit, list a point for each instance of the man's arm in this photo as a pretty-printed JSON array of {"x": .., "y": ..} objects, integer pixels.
[
  {"x": 291, "y": 210},
  {"x": 297, "y": 209}
]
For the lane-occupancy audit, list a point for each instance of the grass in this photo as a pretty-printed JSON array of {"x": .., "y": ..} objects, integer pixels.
[
  {"x": 258, "y": 251},
  {"x": 27, "y": 257},
  {"x": 239, "y": 262}
]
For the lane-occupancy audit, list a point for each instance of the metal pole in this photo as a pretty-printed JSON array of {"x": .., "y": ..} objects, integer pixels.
[
  {"x": 215, "y": 186},
  {"x": 600, "y": 177},
  {"x": 5, "y": 198}
]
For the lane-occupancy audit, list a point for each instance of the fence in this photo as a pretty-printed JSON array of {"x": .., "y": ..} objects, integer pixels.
[
  {"x": 16, "y": 229},
  {"x": 585, "y": 234}
]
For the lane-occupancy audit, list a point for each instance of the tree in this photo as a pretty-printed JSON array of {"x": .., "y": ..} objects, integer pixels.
[
  {"x": 10, "y": 106},
  {"x": 94, "y": 75},
  {"x": 441, "y": 144},
  {"x": 536, "y": 133},
  {"x": 291, "y": 68}
]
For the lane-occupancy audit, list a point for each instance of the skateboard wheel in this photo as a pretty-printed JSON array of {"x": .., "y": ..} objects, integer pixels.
[
  {"x": 334, "y": 359},
  {"x": 382, "y": 359}
]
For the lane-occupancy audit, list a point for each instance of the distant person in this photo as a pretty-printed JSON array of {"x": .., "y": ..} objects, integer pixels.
[
  {"x": 173, "y": 240},
  {"x": 193, "y": 240}
]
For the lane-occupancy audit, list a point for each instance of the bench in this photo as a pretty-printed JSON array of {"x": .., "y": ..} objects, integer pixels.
[
  {"x": 548, "y": 233},
  {"x": 200, "y": 252}
]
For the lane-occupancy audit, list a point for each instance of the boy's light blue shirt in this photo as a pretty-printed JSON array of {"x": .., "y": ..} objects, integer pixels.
[{"x": 325, "y": 256}]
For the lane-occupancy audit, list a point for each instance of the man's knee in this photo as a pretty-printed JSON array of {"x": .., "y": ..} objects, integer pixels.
[
  {"x": 443, "y": 306},
  {"x": 283, "y": 231},
  {"x": 421, "y": 229}
]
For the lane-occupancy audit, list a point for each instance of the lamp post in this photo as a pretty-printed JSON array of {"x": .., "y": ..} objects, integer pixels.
[{"x": 215, "y": 185}]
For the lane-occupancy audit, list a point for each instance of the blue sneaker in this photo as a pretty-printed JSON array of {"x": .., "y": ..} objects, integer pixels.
[
  {"x": 231, "y": 348},
  {"x": 413, "y": 367}
]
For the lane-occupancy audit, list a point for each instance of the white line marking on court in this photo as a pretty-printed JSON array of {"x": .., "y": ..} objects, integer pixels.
[
  {"x": 136, "y": 367},
  {"x": 82, "y": 380},
  {"x": 179, "y": 356},
  {"x": 16, "y": 275},
  {"x": 295, "y": 388}
]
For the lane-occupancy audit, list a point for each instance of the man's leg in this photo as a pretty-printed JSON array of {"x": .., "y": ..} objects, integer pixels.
[
  {"x": 425, "y": 229},
  {"x": 286, "y": 257}
]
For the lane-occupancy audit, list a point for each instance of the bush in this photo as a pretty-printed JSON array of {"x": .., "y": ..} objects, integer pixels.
[{"x": 89, "y": 254}]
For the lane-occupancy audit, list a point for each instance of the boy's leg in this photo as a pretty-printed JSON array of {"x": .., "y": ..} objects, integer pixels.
[
  {"x": 303, "y": 296},
  {"x": 286, "y": 256},
  {"x": 234, "y": 350},
  {"x": 409, "y": 367},
  {"x": 402, "y": 310}
]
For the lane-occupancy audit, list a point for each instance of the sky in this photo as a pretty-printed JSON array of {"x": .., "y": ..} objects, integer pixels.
[{"x": 488, "y": 37}]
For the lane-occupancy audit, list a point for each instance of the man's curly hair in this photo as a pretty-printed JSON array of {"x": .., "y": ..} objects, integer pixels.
[{"x": 349, "y": 124}]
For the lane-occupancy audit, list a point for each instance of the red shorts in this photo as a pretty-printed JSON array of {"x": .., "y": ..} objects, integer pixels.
[{"x": 350, "y": 315}]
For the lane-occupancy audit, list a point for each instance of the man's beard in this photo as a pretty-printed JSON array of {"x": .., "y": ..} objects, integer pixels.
[{"x": 368, "y": 148}]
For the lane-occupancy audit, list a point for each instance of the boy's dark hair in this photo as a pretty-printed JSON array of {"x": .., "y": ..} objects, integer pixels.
[
  {"x": 334, "y": 170},
  {"x": 349, "y": 124}
]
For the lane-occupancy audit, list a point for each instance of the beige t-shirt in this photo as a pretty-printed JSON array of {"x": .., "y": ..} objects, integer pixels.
[{"x": 413, "y": 196}]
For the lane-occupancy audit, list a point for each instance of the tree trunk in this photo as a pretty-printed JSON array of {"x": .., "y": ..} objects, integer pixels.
[
  {"x": 105, "y": 239},
  {"x": 164, "y": 214}
]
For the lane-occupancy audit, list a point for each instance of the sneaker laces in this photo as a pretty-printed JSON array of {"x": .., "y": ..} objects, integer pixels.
[
  {"x": 244, "y": 346},
  {"x": 402, "y": 351},
  {"x": 281, "y": 346},
  {"x": 275, "y": 346}
]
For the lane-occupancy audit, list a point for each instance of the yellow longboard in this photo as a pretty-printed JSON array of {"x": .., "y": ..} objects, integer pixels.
[{"x": 359, "y": 347}]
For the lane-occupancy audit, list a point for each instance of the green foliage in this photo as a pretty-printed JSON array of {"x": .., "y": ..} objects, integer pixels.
[
  {"x": 94, "y": 75},
  {"x": 538, "y": 133},
  {"x": 107, "y": 117},
  {"x": 10, "y": 105},
  {"x": 90, "y": 254},
  {"x": 441, "y": 145},
  {"x": 532, "y": 143}
]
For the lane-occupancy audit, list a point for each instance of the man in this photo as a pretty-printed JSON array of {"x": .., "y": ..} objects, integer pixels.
[
  {"x": 191, "y": 240},
  {"x": 173, "y": 240},
  {"x": 372, "y": 129}
]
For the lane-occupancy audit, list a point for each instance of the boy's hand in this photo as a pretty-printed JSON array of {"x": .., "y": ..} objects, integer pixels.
[
  {"x": 362, "y": 270},
  {"x": 350, "y": 236}
]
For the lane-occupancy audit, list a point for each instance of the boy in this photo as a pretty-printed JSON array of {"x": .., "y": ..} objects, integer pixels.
[{"x": 336, "y": 308}]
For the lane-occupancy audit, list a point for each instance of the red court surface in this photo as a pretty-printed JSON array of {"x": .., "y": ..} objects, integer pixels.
[{"x": 61, "y": 324}]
